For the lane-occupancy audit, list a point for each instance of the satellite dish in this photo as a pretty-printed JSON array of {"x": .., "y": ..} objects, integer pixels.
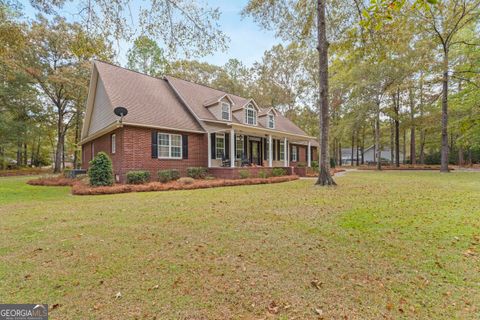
[{"x": 120, "y": 111}]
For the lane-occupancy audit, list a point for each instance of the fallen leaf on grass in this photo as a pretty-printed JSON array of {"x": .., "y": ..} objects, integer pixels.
[
  {"x": 318, "y": 311},
  {"x": 316, "y": 284},
  {"x": 55, "y": 306},
  {"x": 118, "y": 295},
  {"x": 273, "y": 308},
  {"x": 469, "y": 253}
]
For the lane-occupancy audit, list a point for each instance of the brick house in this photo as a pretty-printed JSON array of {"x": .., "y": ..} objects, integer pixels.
[{"x": 176, "y": 124}]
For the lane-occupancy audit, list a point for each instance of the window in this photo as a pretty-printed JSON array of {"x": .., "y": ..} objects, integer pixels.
[
  {"x": 219, "y": 145},
  {"x": 294, "y": 153},
  {"x": 113, "y": 143},
  {"x": 251, "y": 115},
  {"x": 225, "y": 111},
  {"x": 282, "y": 150},
  {"x": 169, "y": 146},
  {"x": 271, "y": 121},
  {"x": 239, "y": 149}
]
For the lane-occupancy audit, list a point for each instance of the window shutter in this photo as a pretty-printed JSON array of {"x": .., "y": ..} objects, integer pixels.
[
  {"x": 265, "y": 153},
  {"x": 184, "y": 146},
  {"x": 213, "y": 146},
  {"x": 274, "y": 143},
  {"x": 245, "y": 140},
  {"x": 154, "y": 144},
  {"x": 278, "y": 149},
  {"x": 306, "y": 153},
  {"x": 235, "y": 145},
  {"x": 227, "y": 145},
  {"x": 291, "y": 153}
]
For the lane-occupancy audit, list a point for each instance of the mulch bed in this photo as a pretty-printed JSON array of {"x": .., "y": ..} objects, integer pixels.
[
  {"x": 80, "y": 187},
  {"x": 57, "y": 181}
]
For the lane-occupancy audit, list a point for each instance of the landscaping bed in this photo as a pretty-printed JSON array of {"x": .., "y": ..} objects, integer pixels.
[
  {"x": 23, "y": 172},
  {"x": 333, "y": 171},
  {"x": 81, "y": 187}
]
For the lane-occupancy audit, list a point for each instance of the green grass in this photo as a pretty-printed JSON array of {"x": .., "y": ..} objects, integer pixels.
[{"x": 395, "y": 245}]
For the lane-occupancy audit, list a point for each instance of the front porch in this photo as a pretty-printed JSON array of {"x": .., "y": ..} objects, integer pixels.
[{"x": 235, "y": 148}]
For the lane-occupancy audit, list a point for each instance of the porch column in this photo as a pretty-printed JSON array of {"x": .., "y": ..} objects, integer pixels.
[
  {"x": 309, "y": 154},
  {"x": 285, "y": 153},
  {"x": 232, "y": 148},
  {"x": 209, "y": 146},
  {"x": 270, "y": 151}
]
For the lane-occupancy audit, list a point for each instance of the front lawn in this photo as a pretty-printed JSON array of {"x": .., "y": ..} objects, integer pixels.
[{"x": 380, "y": 245}]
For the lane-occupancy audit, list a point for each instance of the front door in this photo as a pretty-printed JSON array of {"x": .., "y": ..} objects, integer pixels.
[{"x": 255, "y": 152}]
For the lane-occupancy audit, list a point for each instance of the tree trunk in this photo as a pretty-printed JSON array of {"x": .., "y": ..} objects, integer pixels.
[
  {"x": 404, "y": 146},
  {"x": 353, "y": 146},
  {"x": 358, "y": 156},
  {"x": 60, "y": 143},
  {"x": 377, "y": 138},
  {"x": 392, "y": 142},
  {"x": 397, "y": 130},
  {"x": 340, "y": 153},
  {"x": 444, "y": 152},
  {"x": 363, "y": 145},
  {"x": 324, "y": 178},
  {"x": 461, "y": 160},
  {"x": 413, "y": 152}
]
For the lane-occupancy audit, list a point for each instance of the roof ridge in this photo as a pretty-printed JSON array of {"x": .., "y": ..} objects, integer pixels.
[
  {"x": 209, "y": 87},
  {"x": 126, "y": 69}
]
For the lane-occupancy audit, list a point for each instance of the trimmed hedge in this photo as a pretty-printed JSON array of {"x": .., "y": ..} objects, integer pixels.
[
  {"x": 168, "y": 175},
  {"x": 277, "y": 172},
  {"x": 101, "y": 171},
  {"x": 244, "y": 174},
  {"x": 138, "y": 177},
  {"x": 197, "y": 172}
]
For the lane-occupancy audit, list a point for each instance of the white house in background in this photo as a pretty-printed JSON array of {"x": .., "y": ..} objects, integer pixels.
[{"x": 369, "y": 155}]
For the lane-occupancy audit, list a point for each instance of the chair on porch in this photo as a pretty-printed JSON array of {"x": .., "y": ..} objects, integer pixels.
[
  {"x": 245, "y": 160},
  {"x": 225, "y": 161}
]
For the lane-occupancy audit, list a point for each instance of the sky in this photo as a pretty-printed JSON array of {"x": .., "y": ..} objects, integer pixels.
[{"x": 247, "y": 43}]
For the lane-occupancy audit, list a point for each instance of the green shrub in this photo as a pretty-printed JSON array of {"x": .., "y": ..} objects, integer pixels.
[
  {"x": 314, "y": 165},
  {"x": 138, "y": 177},
  {"x": 262, "y": 174},
  {"x": 301, "y": 165},
  {"x": 209, "y": 177},
  {"x": 277, "y": 172},
  {"x": 186, "y": 180},
  {"x": 175, "y": 174},
  {"x": 101, "y": 171},
  {"x": 244, "y": 174},
  {"x": 197, "y": 172},
  {"x": 168, "y": 175}
]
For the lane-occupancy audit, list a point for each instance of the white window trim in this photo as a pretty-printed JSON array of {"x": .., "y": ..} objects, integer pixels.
[
  {"x": 282, "y": 153},
  {"x": 113, "y": 143},
  {"x": 170, "y": 135},
  {"x": 223, "y": 104},
  {"x": 294, "y": 153},
  {"x": 273, "y": 121},
  {"x": 219, "y": 136},
  {"x": 254, "y": 111}
]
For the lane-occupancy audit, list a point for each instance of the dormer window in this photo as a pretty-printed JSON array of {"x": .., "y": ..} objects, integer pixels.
[
  {"x": 271, "y": 121},
  {"x": 225, "y": 111},
  {"x": 251, "y": 115}
]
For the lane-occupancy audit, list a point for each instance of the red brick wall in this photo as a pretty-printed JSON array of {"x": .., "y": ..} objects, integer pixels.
[
  {"x": 134, "y": 152},
  {"x": 103, "y": 143},
  {"x": 138, "y": 152}
]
